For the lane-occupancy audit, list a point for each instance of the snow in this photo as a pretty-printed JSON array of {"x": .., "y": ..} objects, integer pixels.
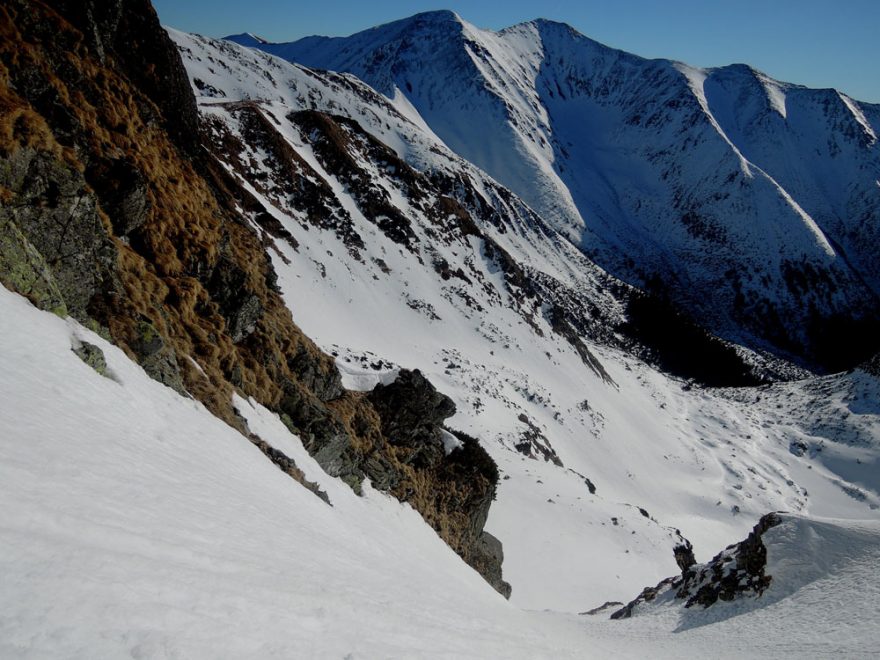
[
  {"x": 775, "y": 94},
  {"x": 707, "y": 463},
  {"x": 856, "y": 111},
  {"x": 364, "y": 380},
  {"x": 136, "y": 524},
  {"x": 612, "y": 150},
  {"x": 824, "y": 582}
]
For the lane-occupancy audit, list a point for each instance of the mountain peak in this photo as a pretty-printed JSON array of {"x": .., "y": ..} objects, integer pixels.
[
  {"x": 438, "y": 15},
  {"x": 247, "y": 39}
]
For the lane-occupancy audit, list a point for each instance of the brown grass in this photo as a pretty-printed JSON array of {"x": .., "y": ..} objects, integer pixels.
[{"x": 190, "y": 226}]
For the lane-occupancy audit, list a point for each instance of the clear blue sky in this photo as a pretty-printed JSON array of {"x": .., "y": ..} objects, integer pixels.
[{"x": 819, "y": 43}]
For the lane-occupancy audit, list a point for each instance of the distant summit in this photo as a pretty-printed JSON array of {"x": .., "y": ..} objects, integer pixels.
[{"x": 751, "y": 203}]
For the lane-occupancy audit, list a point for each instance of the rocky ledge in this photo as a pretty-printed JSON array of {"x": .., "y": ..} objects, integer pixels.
[{"x": 736, "y": 571}]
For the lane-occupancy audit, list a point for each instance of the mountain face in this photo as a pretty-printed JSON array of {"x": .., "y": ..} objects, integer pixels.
[
  {"x": 393, "y": 252},
  {"x": 753, "y": 205}
]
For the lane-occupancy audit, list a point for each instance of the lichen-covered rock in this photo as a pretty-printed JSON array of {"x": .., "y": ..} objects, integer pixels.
[
  {"x": 92, "y": 356},
  {"x": 155, "y": 356},
  {"x": 23, "y": 269},
  {"x": 52, "y": 209}
]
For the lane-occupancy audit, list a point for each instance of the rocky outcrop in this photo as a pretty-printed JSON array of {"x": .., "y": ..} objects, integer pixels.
[
  {"x": 412, "y": 413},
  {"x": 872, "y": 366},
  {"x": 50, "y": 211},
  {"x": 737, "y": 571},
  {"x": 129, "y": 33},
  {"x": 92, "y": 356},
  {"x": 113, "y": 212}
]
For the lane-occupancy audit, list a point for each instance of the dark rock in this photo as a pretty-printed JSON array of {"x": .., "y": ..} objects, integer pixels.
[
  {"x": 649, "y": 594},
  {"x": 798, "y": 447},
  {"x": 607, "y": 605},
  {"x": 684, "y": 555},
  {"x": 92, "y": 356},
  {"x": 288, "y": 466},
  {"x": 122, "y": 191},
  {"x": 487, "y": 557},
  {"x": 130, "y": 32},
  {"x": 412, "y": 412},
  {"x": 239, "y": 306},
  {"x": 872, "y": 366},
  {"x": 326, "y": 384},
  {"x": 321, "y": 434},
  {"x": 534, "y": 443},
  {"x": 736, "y": 571},
  {"x": 157, "y": 358},
  {"x": 53, "y": 215}
]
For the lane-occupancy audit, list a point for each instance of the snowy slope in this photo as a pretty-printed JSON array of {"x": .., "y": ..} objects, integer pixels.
[
  {"x": 137, "y": 524},
  {"x": 803, "y": 563},
  {"x": 708, "y": 463},
  {"x": 719, "y": 181}
]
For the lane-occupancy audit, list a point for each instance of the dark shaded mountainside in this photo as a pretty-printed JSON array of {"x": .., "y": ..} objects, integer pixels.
[{"x": 115, "y": 212}]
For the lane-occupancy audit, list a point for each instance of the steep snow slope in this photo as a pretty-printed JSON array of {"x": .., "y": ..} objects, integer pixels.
[
  {"x": 138, "y": 524},
  {"x": 754, "y": 202},
  {"x": 391, "y": 281}
]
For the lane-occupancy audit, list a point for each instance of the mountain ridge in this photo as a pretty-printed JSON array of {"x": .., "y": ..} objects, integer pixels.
[{"x": 717, "y": 180}]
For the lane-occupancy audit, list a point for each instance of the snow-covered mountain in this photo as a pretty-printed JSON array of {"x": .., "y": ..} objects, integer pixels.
[
  {"x": 282, "y": 374},
  {"x": 754, "y": 204},
  {"x": 477, "y": 294}
]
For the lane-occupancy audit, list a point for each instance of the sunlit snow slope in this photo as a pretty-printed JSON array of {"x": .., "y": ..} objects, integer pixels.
[
  {"x": 754, "y": 202},
  {"x": 137, "y": 524},
  {"x": 601, "y": 462}
]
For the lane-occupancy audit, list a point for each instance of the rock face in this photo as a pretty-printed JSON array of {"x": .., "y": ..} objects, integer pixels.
[
  {"x": 113, "y": 211},
  {"x": 52, "y": 213},
  {"x": 412, "y": 412},
  {"x": 736, "y": 571}
]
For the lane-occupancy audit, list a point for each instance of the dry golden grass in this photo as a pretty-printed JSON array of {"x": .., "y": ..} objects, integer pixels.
[{"x": 189, "y": 226}]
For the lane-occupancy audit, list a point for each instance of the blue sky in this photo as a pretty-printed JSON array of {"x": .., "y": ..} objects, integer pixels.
[{"x": 819, "y": 43}]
